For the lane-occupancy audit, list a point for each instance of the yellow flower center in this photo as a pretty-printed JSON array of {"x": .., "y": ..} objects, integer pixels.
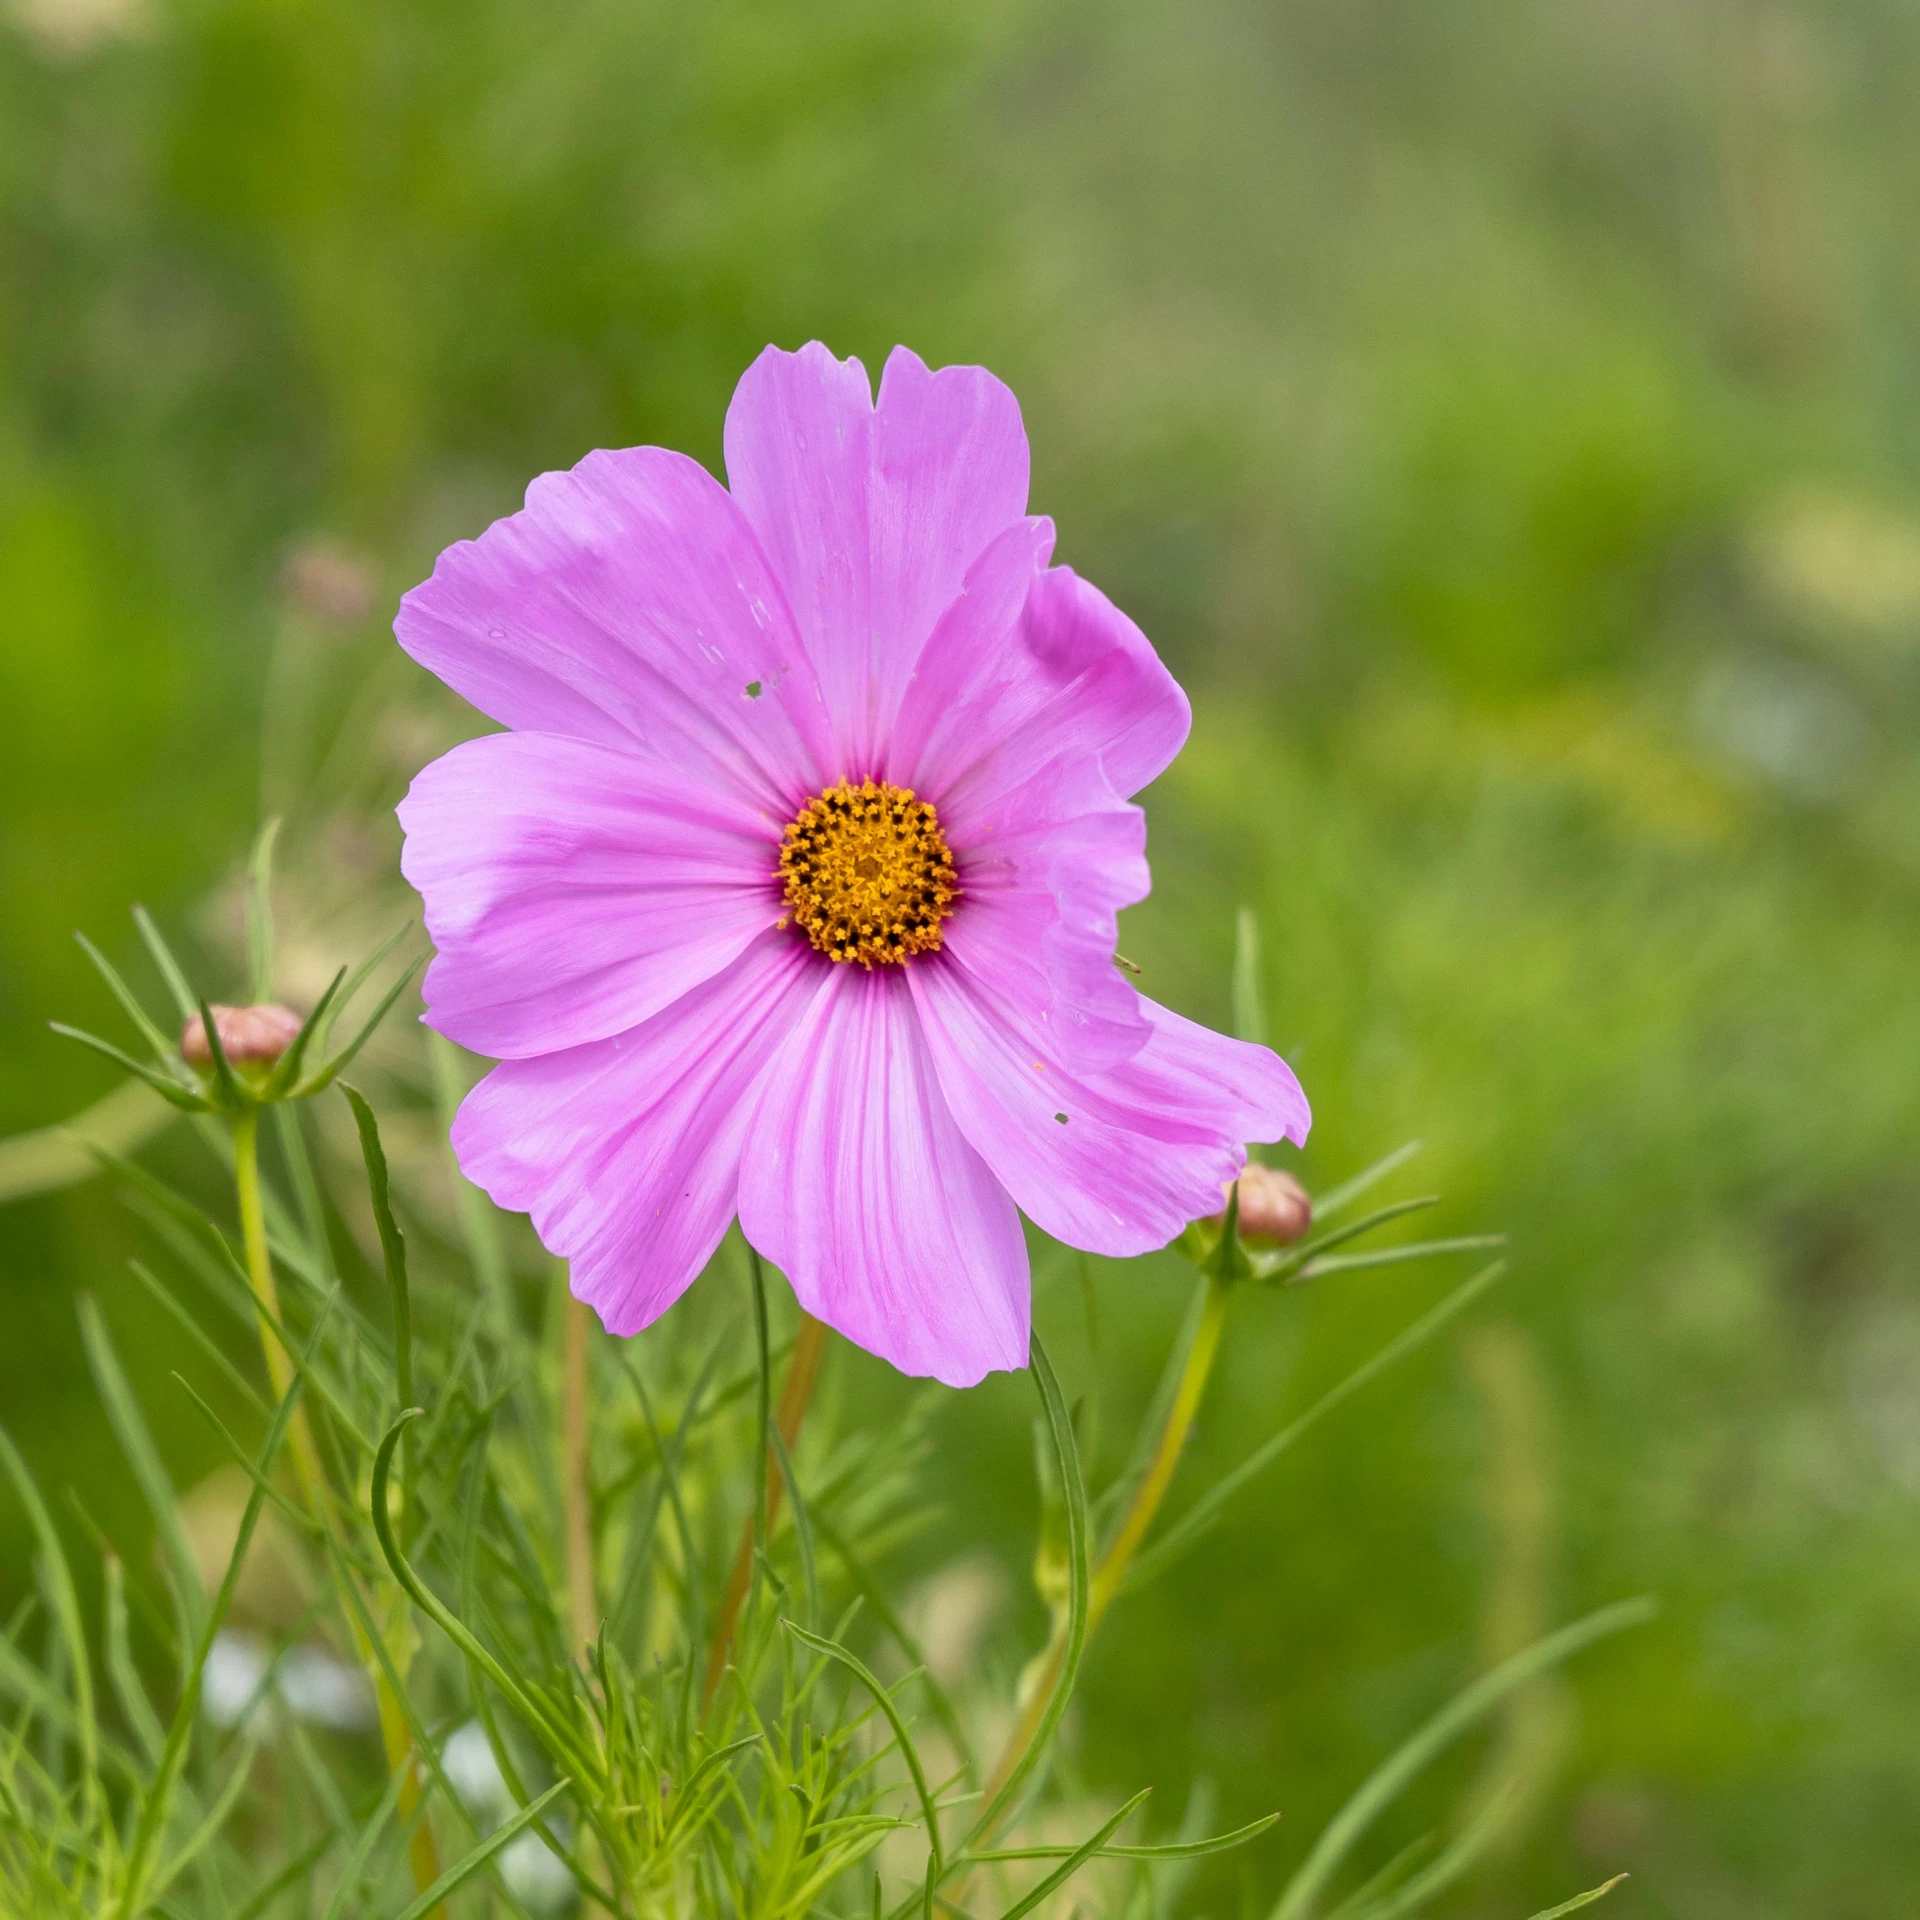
[{"x": 868, "y": 874}]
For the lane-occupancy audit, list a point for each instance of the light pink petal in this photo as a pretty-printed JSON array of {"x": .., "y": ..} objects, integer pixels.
[
  {"x": 629, "y": 603},
  {"x": 1118, "y": 1161},
  {"x": 626, "y": 1152},
  {"x": 1076, "y": 680},
  {"x": 857, "y": 1184},
  {"x": 871, "y": 517},
  {"x": 799, "y": 451},
  {"x": 1038, "y": 919},
  {"x": 573, "y": 891}
]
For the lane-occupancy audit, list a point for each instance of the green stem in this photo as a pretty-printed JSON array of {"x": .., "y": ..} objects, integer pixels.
[
  {"x": 1119, "y": 1554},
  {"x": 395, "y": 1735}
]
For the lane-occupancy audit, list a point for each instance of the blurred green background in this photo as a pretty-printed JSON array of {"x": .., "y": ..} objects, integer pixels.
[{"x": 1505, "y": 419}]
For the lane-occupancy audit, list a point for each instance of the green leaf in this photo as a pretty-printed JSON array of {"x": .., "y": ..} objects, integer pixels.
[
  {"x": 1395, "y": 1256},
  {"x": 326, "y": 1075},
  {"x": 929, "y": 1811},
  {"x": 184, "y": 997},
  {"x": 188, "y": 1100},
  {"x": 1188, "y": 1528},
  {"x": 1580, "y": 1900},
  {"x": 1167, "y": 1850},
  {"x": 165, "y": 1050},
  {"x": 1249, "y": 1000},
  {"x": 1080, "y": 1583},
  {"x": 1342, "y": 1196},
  {"x": 228, "y": 1092},
  {"x": 463, "y": 1870},
  {"x": 1074, "y": 1861},
  {"x": 157, "y": 1799},
  {"x": 1283, "y": 1264},
  {"x": 260, "y": 913},
  {"x": 393, "y": 1247},
  {"x": 1473, "y": 1703},
  {"x": 535, "y": 1713},
  {"x": 66, "y": 1607},
  {"x": 287, "y": 1068},
  {"x": 136, "y": 1442}
]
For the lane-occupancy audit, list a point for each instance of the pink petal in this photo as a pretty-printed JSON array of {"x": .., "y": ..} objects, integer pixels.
[
  {"x": 857, "y": 1184},
  {"x": 629, "y": 603},
  {"x": 627, "y": 1151},
  {"x": 1117, "y": 1161},
  {"x": 574, "y": 891},
  {"x": 872, "y": 517},
  {"x": 1077, "y": 680}
]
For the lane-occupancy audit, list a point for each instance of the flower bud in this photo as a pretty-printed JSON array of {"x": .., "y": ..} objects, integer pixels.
[
  {"x": 249, "y": 1036},
  {"x": 1275, "y": 1210}
]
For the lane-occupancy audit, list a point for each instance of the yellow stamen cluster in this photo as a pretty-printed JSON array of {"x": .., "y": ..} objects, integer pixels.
[{"x": 868, "y": 874}]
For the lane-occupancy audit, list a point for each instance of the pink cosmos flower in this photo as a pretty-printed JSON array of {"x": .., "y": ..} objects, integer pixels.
[{"x": 791, "y": 890}]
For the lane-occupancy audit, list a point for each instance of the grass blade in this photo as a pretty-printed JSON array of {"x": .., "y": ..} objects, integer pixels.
[
  {"x": 1202, "y": 1514},
  {"x": 136, "y": 1442},
  {"x": 463, "y": 1870},
  {"x": 1473, "y": 1703},
  {"x": 1580, "y": 1900}
]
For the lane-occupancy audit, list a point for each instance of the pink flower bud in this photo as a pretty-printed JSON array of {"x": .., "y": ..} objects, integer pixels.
[
  {"x": 1275, "y": 1210},
  {"x": 249, "y": 1036}
]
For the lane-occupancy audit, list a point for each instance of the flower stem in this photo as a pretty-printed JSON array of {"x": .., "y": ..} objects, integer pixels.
[
  {"x": 395, "y": 1735},
  {"x": 1120, "y": 1551},
  {"x": 796, "y": 1393},
  {"x": 582, "y": 1603}
]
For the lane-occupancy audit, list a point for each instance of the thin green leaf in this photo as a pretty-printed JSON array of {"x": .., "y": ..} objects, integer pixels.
[
  {"x": 393, "y": 1247},
  {"x": 122, "y": 1673},
  {"x": 1080, "y": 1582},
  {"x": 463, "y": 1870},
  {"x": 66, "y": 1608},
  {"x": 157, "y": 1799},
  {"x": 1249, "y": 998},
  {"x": 1181, "y": 1535},
  {"x": 296, "y": 1869},
  {"x": 802, "y": 1524},
  {"x": 260, "y": 913},
  {"x": 870, "y": 1590},
  {"x": 929, "y": 1808},
  {"x": 361, "y": 974},
  {"x": 165, "y": 1050},
  {"x": 1167, "y": 1850},
  {"x": 1394, "y": 1256},
  {"x": 188, "y": 1325},
  {"x": 326, "y": 1075},
  {"x": 175, "y": 1091},
  {"x": 170, "y": 971},
  {"x": 302, "y": 1522},
  {"x": 287, "y": 1068},
  {"x": 1580, "y": 1900},
  {"x": 534, "y": 1712},
  {"x": 1074, "y": 1861},
  {"x": 1473, "y": 1703},
  {"x": 371, "y": 1830},
  {"x": 227, "y": 1089},
  {"x": 1344, "y": 1195},
  {"x": 1326, "y": 1242},
  {"x": 136, "y": 1442}
]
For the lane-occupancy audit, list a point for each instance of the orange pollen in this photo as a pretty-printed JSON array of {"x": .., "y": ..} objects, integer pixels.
[{"x": 868, "y": 874}]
